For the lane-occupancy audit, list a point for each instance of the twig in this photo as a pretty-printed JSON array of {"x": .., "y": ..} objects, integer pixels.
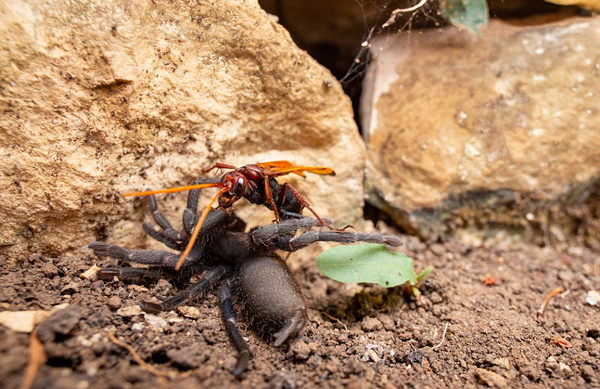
[
  {"x": 37, "y": 357},
  {"x": 443, "y": 337},
  {"x": 556, "y": 291},
  {"x": 397, "y": 11},
  {"x": 336, "y": 319},
  {"x": 137, "y": 358}
]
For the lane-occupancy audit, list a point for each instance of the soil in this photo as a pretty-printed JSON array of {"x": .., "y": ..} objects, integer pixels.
[{"x": 462, "y": 332}]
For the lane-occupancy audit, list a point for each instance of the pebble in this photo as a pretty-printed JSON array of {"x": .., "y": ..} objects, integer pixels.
[
  {"x": 587, "y": 372},
  {"x": 371, "y": 324},
  {"x": 70, "y": 288},
  {"x": 502, "y": 362},
  {"x": 300, "y": 350},
  {"x": 155, "y": 322},
  {"x": 592, "y": 297},
  {"x": 50, "y": 270},
  {"x": 490, "y": 378},
  {"x": 436, "y": 298},
  {"x": 114, "y": 303},
  {"x": 133, "y": 310},
  {"x": 189, "y": 312}
]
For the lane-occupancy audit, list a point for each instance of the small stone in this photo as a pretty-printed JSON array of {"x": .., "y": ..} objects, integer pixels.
[
  {"x": 436, "y": 298},
  {"x": 189, "y": 312},
  {"x": 137, "y": 288},
  {"x": 189, "y": 357},
  {"x": 139, "y": 327},
  {"x": 371, "y": 324},
  {"x": 300, "y": 350},
  {"x": 50, "y": 270},
  {"x": 114, "y": 303},
  {"x": 565, "y": 369},
  {"x": 592, "y": 297},
  {"x": 70, "y": 288},
  {"x": 551, "y": 364},
  {"x": 413, "y": 358},
  {"x": 502, "y": 362},
  {"x": 155, "y": 322},
  {"x": 588, "y": 374},
  {"x": 490, "y": 378},
  {"x": 593, "y": 333},
  {"x": 133, "y": 310}
]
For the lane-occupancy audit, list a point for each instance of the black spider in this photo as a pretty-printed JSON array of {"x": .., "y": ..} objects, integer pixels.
[{"x": 245, "y": 263}]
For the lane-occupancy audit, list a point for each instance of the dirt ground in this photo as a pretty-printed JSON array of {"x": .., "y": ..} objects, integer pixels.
[{"x": 461, "y": 333}]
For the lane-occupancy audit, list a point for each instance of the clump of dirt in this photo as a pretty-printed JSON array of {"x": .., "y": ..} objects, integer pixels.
[{"x": 461, "y": 332}]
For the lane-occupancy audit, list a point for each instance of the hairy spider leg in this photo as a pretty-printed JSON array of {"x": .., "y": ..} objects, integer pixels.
[
  {"x": 208, "y": 281},
  {"x": 190, "y": 244},
  {"x": 244, "y": 352}
]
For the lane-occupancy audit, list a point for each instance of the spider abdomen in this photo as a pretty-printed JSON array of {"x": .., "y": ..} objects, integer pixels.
[{"x": 269, "y": 297}]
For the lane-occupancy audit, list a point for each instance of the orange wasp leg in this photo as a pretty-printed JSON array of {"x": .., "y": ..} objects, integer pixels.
[
  {"x": 306, "y": 205},
  {"x": 194, "y": 236},
  {"x": 219, "y": 166}
]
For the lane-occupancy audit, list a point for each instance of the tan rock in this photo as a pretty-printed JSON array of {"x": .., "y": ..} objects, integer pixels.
[
  {"x": 453, "y": 121},
  {"x": 103, "y": 98}
]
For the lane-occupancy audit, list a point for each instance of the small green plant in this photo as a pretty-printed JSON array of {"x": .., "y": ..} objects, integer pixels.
[
  {"x": 472, "y": 14},
  {"x": 372, "y": 263}
]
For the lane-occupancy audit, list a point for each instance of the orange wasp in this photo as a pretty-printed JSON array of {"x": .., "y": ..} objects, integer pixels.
[{"x": 256, "y": 183}]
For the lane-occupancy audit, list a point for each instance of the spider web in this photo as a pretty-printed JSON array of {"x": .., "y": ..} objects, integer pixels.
[{"x": 385, "y": 21}]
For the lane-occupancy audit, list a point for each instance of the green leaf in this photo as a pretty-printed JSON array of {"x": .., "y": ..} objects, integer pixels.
[
  {"x": 472, "y": 14},
  {"x": 367, "y": 262}
]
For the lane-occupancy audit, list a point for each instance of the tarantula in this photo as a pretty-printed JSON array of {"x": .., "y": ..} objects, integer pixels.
[{"x": 251, "y": 274}]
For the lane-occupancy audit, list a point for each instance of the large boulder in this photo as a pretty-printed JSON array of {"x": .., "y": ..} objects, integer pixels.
[
  {"x": 500, "y": 130},
  {"x": 103, "y": 98}
]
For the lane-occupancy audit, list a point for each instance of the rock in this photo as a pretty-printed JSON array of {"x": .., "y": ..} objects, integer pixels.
[
  {"x": 588, "y": 373},
  {"x": 145, "y": 95},
  {"x": 592, "y": 297},
  {"x": 155, "y": 322},
  {"x": 371, "y": 324},
  {"x": 49, "y": 270},
  {"x": 490, "y": 378},
  {"x": 133, "y": 310},
  {"x": 114, "y": 303},
  {"x": 414, "y": 357},
  {"x": 61, "y": 322},
  {"x": 462, "y": 129},
  {"x": 300, "y": 350},
  {"x": 189, "y": 357},
  {"x": 70, "y": 288},
  {"x": 189, "y": 312},
  {"x": 502, "y": 362}
]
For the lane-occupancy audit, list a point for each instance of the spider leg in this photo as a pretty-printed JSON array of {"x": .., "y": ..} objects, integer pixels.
[
  {"x": 138, "y": 274},
  {"x": 244, "y": 353},
  {"x": 266, "y": 235},
  {"x": 161, "y": 220},
  {"x": 295, "y": 243},
  {"x": 162, "y": 238},
  {"x": 144, "y": 257},
  {"x": 291, "y": 327},
  {"x": 212, "y": 277},
  {"x": 189, "y": 214}
]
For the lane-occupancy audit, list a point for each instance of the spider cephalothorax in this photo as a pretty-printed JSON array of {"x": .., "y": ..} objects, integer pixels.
[{"x": 251, "y": 274}]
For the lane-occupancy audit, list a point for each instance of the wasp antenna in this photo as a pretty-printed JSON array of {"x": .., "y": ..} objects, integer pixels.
[
  {"x": 194, "y": 236},
  {"x": 173, "y": 190}
]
